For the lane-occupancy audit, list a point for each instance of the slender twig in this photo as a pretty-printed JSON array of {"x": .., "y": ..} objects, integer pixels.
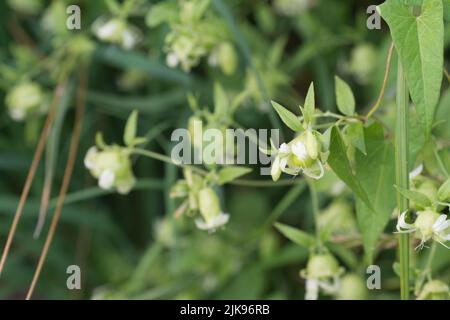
[
  {"x": 385, "y": 81},
  {"x": 80, "y": 109},
  {"x": 32, "y": 171}
]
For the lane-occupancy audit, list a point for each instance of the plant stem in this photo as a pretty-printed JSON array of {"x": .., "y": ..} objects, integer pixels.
[
  {"x": 315, "y": 207},
  {"x": 402, "y": 176}
]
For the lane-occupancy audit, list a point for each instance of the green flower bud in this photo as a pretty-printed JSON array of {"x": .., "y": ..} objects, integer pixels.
[
  {"x": 227, "y": 58},
  {"x": 362, "y": 62},
  {"x": 312, "y": 145},
  {"x": 322, "y": 267},
  {"x": 424, "y": 224},
  {"x": 352, "y": 287},
  {"x": 209, "y": 204},
  {"x": 434, "y": 290},
  {"x": 210, "y": 210},
  {"x": 195, "y": 128},
  {"x": 24, "y": 99},
  {"x": 26, "y": 6}
]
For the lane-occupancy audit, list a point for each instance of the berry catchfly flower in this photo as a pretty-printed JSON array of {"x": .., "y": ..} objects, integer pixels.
[
  {"x": 301, "y": 155},
  {"x": 322, "y": 273},
  {"x": 111, "y": 164},
  {"x": 25, "y": 99},
  {"x": 428, "y": 225}
]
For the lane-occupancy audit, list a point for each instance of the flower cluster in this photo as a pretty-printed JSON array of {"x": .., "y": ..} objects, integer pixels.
[{"x": 194, "y": 33}]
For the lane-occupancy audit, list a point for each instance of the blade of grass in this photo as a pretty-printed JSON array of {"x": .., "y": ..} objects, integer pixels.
[
  {"x": 80, "y": 109},
  {"x": 51, "y": 159}
]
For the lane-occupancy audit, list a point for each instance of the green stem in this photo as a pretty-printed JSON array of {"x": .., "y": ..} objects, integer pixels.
[
  {"x": 238, "y": 182},
  {"x": 315, "y": 207},
  {"x": 402, "y": 175}
]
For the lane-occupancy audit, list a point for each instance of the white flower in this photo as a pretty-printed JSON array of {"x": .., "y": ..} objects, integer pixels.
[
  {"x": 106, "y": 180},
  {"x": 24, "y": 99},
  {"x": 428, "y": 225},
  {"x": 322, "y": 272},
  {"x": 213, "y": 223},
  {"x": 211, "y": 215},
  {"x": 301, "y": 155},
  {"x": 416, "y": 172},
  {"x": 117, "y": 31},
  {"x": 112, "y": 167}
]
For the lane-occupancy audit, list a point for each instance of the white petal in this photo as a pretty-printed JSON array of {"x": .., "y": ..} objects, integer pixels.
[
  {"x": 88, "y": 158},
  {"x": 106, "y": 180},
  {"x": 401, "y": 223},
  {"x": 299, "y": 149},
  {"x": 172, "y": 60},
  {"x": 441, "y": 223},
  {"x": 312, "y": 289},
  {"x": 284, "y": 148},
  {"x": 416, "y": 172},
  {"x": 214, "y": 223}
]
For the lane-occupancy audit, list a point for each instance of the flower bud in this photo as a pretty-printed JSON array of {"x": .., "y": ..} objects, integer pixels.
[
  {"x": 362, "y": 62},
  {"x": 112, "y": 168},
  {"x": 23, "y": 100},
  {"x": 195, "y": 128},
  {"x": 227, "y": 58},
  {"x": 312, "y": 145},
  {"x": 352, "y": 287},
  {"x": 209, "y": 204},
  {"x": 424, "y": 224},
  {"x": 322, "y": 266},
  {"x": 210, "y": 211},
  {"x": 434, "y": 290}
]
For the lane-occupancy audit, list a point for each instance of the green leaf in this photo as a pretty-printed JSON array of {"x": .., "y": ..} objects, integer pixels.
[
  {"x": 231, "y": 173},
  {"x": 420, "y": 45},
  {"x": 220, "y": 101},
  {"x": 355, "y": 134},
  {"x": 419, "y": 198},
  {"x": 289, "y": 119},
  {"x": 99, "y": 141},
  {"x": 376, "y": 173},
  {"x": 444, "y": 192},
  {"x": 310, "y": 104},
  {"x": 297, "y": 236},
  {"x": 161, "y": 13},
  {"x": 340, "y": 164},
  {"x": 130, "y": 129},
  {"x": 344, "y": 97}
]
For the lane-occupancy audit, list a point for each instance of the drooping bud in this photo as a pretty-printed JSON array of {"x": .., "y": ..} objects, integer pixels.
[
  {"x": 434, "y": 290},
  {"x": 210, "y": 211},
  {"x": 227, "y": 58},
  {"x": 23, "y": 100},
  {"x": 424, "y": 224},
  {"x": 322, "y": 266},
  {"x": 352, "y": 287}
]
